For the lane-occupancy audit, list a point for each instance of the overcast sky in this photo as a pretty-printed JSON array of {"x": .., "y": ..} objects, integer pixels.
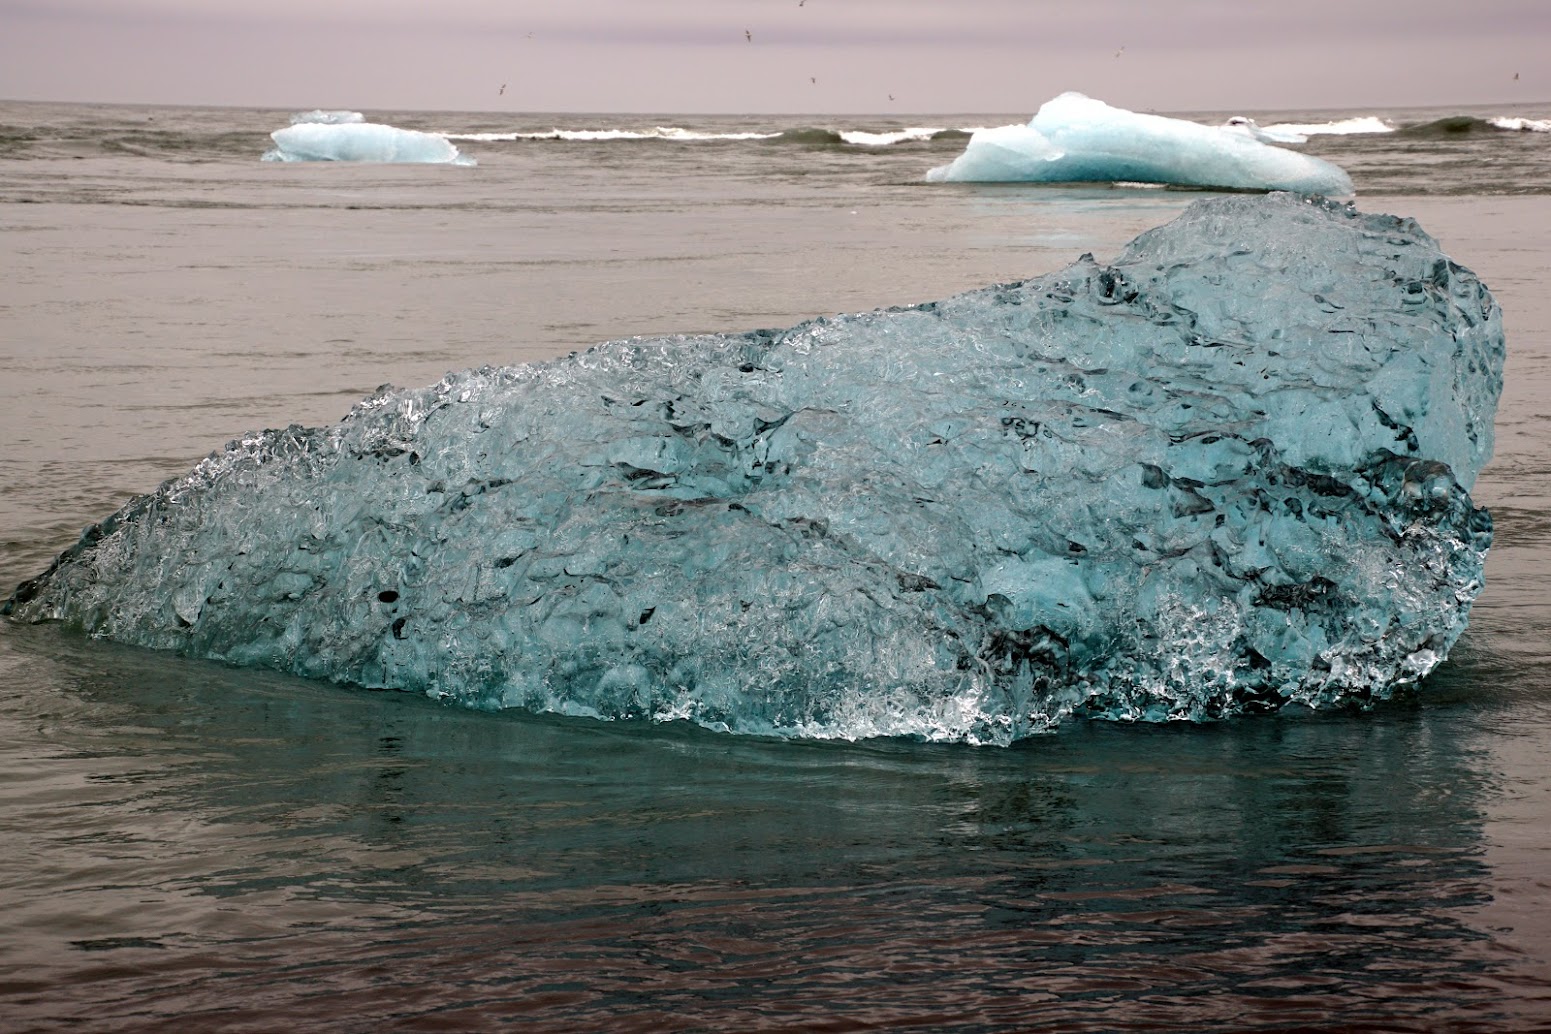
[{"x": 820, "y": 56}]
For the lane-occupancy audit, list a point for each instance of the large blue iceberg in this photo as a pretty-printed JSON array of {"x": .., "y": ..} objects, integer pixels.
[
  {"x": 1226, "y": 473},
  {"x": 336, "y": 137},
  {"x": 1076, "y": 139}
]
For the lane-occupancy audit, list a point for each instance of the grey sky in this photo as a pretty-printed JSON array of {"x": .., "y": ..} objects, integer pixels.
[{"x": 693, "y": 56}]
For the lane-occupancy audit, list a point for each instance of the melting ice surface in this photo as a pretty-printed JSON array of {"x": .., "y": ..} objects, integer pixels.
[
  {"x": 1226, "y": 473},
  {"x": 1074, "y": 138},
  {"x": 338, "y": 138}
]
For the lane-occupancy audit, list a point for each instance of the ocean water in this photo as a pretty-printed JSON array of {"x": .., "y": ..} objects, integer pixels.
[{"x": 192, "y": 847}]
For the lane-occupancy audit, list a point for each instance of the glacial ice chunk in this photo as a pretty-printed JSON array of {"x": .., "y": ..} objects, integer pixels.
[
  {"x": 1227, "y": 472},
  {"x": 360, "y": 142},
  {"x": 1074, "y": 139}
]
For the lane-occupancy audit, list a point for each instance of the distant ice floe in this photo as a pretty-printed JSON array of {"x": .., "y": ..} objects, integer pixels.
[
  {"x": 327, "y": 118},
  {"x": 359, "y": 141},
  {"x": 1076, "y": 139}
]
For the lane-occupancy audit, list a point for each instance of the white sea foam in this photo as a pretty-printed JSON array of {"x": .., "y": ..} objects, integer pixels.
[
  {"x": 854, "y": 137},
  {"x": 1248, "y": 127},
  {"x": 673, "y": 133},
  {"x": 862, "y": 138},
  {"x": 1341, "y": 127},
  {"x": 1523, "y": 125}
]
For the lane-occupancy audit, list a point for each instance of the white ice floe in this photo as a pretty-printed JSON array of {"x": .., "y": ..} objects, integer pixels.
[
  {"x": 360, "y": 142},
  {"x": 1076, "y": 139}
]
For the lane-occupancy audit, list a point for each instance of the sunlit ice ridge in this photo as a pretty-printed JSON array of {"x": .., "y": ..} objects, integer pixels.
[
  {"x": 1226, "y": 473},
  {"x": 1074, "y": 138}
]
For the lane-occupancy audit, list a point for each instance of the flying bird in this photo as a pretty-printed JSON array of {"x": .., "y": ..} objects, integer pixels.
[
  {"x": 1122, "y": 50},
  {"x": 748, "y": 35},
  {"x": 501, "y": 91}
]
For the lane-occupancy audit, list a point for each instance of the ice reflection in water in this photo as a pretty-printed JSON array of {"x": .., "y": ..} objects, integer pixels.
[{"x": 272, "y": 853}]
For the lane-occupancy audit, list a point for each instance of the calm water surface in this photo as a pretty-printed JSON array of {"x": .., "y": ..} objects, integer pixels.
[{"x": 191, "y": 847}]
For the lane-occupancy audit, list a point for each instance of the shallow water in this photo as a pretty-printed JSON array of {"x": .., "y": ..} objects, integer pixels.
[
  {"x": 261, "y": 853},
  {"x": 191, "y": 845}
]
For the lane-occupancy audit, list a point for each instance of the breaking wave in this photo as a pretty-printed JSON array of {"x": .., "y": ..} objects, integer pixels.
[
  {"x": 1340, "y": 127},
  {"x": 810, "y": 136},
  {"x": 1460, "y": 125},
  {"x": 1522, "y": 125}
]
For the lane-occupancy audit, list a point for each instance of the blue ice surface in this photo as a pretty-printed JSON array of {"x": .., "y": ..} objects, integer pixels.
[
  {"x": 1076, "y": 139},
  {"x": 1226, "y": 473},
  {"x": 340, "y": 140}
]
